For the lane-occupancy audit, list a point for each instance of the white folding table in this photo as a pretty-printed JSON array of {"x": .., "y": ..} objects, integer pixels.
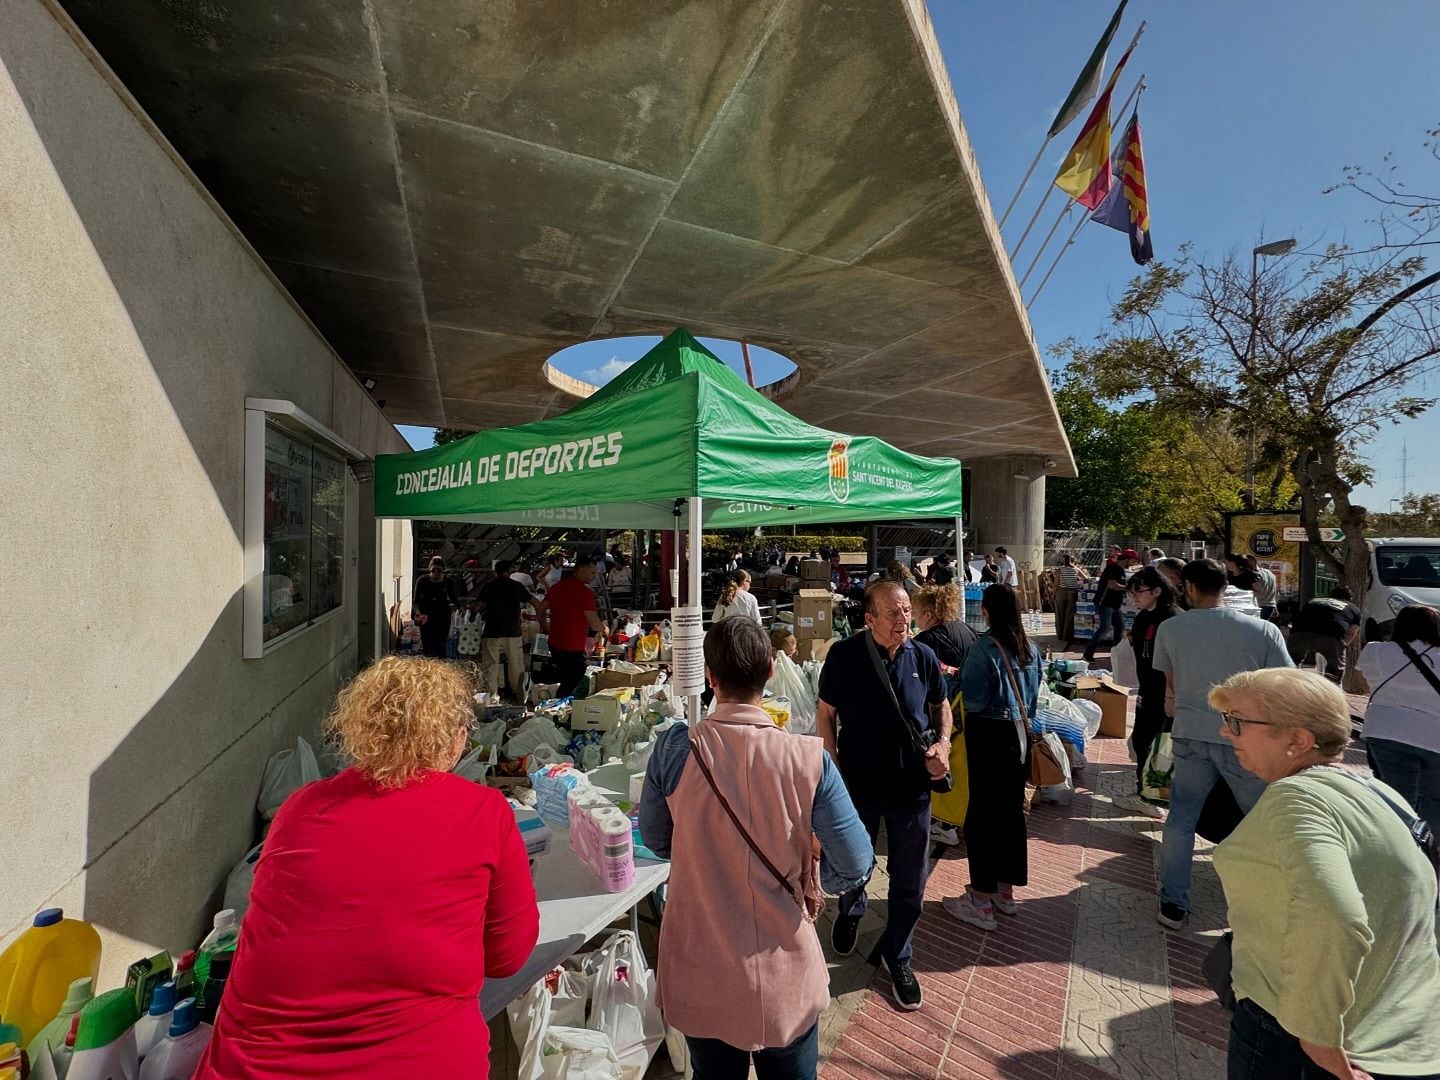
[{"x": 573, "y": 909}]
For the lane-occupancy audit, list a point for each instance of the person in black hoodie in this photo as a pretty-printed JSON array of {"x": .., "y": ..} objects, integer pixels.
[{"x": 1156, "y": 599}]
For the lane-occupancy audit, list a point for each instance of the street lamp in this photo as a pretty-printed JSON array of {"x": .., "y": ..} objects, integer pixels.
[{"x": 1275, "y": 247}]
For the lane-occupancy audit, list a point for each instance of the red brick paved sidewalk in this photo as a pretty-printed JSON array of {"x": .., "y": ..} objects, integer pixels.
[{"x": 1082, "y": 984}]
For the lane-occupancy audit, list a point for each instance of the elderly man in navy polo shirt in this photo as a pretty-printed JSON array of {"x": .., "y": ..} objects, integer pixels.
[{"x": 889, "y": 778}]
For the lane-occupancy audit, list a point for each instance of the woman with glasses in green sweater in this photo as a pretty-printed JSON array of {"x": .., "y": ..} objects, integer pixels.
[{"x": 1332, "y": 902}]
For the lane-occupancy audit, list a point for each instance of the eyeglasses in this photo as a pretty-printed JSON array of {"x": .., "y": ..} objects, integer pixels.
[{"x": 1236, "y": 724}]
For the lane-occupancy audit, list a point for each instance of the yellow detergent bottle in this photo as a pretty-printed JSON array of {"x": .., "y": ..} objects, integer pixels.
[{"x": 37, "y": 970}]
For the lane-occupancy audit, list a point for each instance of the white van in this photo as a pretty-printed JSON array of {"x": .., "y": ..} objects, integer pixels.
[{"x": 1403, "y": 571}]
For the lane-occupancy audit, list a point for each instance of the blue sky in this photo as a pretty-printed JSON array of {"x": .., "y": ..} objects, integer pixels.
[{"x": 1252, "y": 110}]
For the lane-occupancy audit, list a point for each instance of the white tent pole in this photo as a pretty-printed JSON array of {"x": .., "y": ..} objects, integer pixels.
[
  {"x": 696, "y": 506},
  {"x": 960, "y": 570}
]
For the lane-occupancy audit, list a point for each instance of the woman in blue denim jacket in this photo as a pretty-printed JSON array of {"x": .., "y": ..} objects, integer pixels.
[{"x": 997, "y": 746}]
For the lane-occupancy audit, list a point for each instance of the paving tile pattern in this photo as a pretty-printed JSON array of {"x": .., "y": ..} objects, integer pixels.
[{"x": 1084, "y": 984}]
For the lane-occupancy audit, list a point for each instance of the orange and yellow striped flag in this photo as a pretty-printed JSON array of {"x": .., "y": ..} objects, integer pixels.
[{"x": 1085, "y": 174}]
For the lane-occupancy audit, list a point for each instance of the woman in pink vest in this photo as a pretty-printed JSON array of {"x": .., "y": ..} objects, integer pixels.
[{"x": 735, "y": 804}]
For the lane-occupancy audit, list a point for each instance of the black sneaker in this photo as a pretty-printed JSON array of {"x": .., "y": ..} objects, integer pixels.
[
  {"x": 1171, "y": 915},
  {"x": 843, "y": 934},
  {"x": 904, "y": 986}
]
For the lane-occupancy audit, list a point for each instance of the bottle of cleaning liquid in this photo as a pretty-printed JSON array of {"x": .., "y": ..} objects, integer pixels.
[
  {"x": 185, "y": 975},
  {"x": 61, "y": 1055},
  {"x": 105, "y": 1039},
  {"x": 145, "y": 975},
  {"x": 221, "y": 939},
  {"x": 151, "y": 1027},
  {"x": 215, "y": 987},
  {"x": 37, "y": 969},
  {"x": 53, "y": 1034},
  {"x": 177, "y": 1057}
]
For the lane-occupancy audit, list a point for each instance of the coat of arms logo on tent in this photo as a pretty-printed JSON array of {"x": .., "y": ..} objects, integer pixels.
[{"x": 840, "y": 469}]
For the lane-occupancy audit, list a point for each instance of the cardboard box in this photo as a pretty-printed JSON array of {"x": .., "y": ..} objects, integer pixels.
[
  {"x": 814, "y": 648},
  {"x": 605, "y": 679},
  {"x": 814, "y": 614},
  {"x": 1112, "y": 698},
  {"x": 602, "y": 711},
  {"x": 814, "y": 570}
]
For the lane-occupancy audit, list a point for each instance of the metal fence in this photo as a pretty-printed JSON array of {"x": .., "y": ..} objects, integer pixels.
[{"x": 1089, "y": 546}]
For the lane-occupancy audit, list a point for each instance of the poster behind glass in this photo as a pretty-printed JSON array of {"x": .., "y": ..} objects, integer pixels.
[
  {"x": 288, "y": 479},
  {"x": 327, "y": 533}
]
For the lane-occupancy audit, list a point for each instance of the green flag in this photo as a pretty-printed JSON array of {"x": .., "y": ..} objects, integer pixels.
[{"x": 1088, "y": 84}]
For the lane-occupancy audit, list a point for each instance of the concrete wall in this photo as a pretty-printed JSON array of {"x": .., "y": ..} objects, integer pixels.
[
  {"x": 1008, "y": 512},
  {"x": 133, "y": 324}
]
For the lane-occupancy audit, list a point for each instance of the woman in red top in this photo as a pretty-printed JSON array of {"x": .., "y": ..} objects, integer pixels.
[{"x": 384, "y": 898}]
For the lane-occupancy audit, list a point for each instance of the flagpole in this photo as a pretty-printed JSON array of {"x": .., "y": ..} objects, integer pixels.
[
  {"x": 1021, "y": 189},
  {"x": 1089, "y": 75},
  {"x": 1049, "y": 190},
  {"x": 1134, "y": 92},
  {"x": 1139, "y": 89},
  {"x": 1139, "y": 32},
  {"x": 1046, "y": 242}
]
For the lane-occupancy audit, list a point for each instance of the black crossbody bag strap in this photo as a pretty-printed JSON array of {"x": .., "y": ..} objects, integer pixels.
[
  {"x": 795, "y": 894},
  {"x": 1415, "y": 658},
  {"x": 874, "y": 650}
]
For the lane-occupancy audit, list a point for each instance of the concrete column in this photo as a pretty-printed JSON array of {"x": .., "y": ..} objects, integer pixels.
[{"x": 1006, "y": 511}]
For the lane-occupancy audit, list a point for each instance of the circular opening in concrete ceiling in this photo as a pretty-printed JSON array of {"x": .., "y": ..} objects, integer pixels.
[{"x": 584, "y": 368}]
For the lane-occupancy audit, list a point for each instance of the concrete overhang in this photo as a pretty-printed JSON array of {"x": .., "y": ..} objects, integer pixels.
[{"x": 454, "y": 190}]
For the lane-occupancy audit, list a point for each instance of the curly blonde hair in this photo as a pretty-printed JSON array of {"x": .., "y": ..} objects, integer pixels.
[
  {"x": 945, "y": 602},
  {"x": 399, "y": 717}
]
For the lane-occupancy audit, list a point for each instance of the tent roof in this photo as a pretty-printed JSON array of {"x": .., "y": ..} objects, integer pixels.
[{"x": 677, "y": 424}]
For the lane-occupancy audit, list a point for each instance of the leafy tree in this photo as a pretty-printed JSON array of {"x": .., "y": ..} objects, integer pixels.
[
  {"x": 450, "y": 434},
  {"x": 1144, "y": 470},
  {"x": 1309, "y": 359},
  {"x": 1419, "y": 515}
]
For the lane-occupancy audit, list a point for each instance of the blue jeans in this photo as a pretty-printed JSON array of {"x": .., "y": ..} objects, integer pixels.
[
  {"x": 1199, "y": 765},
  {"x": 907, "y": 836},
  {"x": 711, "y": 1059},
  {"x": 1260, "y": 1049},
  {"x": 1106, "y": 617},
  {"x": 1413, "y": 772}
]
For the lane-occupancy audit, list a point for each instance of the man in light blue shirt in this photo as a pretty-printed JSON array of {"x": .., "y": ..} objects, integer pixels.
[{"x": 1197, "y": 650}]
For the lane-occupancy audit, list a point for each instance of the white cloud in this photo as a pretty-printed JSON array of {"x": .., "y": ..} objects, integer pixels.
[{"x": 599, "y": 376}]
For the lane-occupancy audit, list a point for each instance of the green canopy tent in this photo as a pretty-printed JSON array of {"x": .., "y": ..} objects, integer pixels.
[
  {"x": 676, "y": 441},
  {"x": 677, "y": 425}
]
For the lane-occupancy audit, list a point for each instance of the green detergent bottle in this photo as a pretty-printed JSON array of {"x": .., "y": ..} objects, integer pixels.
[
  {"x": 53, "y": 1034},
  {"x": 105, "y": 1039},
  {"x": 221, "y": 939}
]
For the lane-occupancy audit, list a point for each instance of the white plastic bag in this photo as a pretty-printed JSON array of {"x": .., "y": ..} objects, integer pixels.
[
  {"x": 540, "y": 1007},
  {"x": 789, "y": 681},
  {"x": 1092, "y": 715},
  {"x": 1122, "y": 664},
  {"x": 529, "y": 1020},
  {"x": 491, "y": 734},
  {"x": 1059, "y": 793},
  {"x": 237, "y": 885},
  {"x": 623, "y": 1004},
  {"x": 476, "y": 764},
  {"x": 534, "y": 733},
  {"x": 679, "y": 1051},
  {"x": 286, "y": 773},
  {"x": 570, "y": 1053}
]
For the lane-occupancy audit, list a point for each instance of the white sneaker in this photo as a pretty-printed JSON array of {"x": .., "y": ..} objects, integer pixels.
[
  {"x": 1135, "y": 804},
  {"x": 965, "y": 909},
  {"x": 940, "y": 833}
]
